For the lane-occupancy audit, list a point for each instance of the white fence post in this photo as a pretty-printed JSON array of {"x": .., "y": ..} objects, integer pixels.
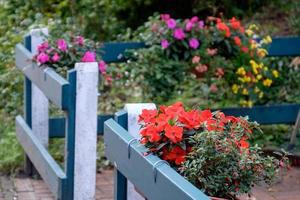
[
  {"x": 133, "y": 111},
  {"x": 86, "y": 131},
  {"x": 40, "y": 103}
]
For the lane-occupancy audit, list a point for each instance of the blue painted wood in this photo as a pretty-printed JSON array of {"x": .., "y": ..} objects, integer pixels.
[
  {"x": 57, "y": 126},
  {"x": 114, "y": 51},
  {"x": 139, "y": 168},
  {"x": 50, "y": 171},
  {"x": 273, "y": 114},
  {"x": 28, "y": 166},
  {"x": 70, "y": 136},
  {"x": 120, "y": 181},
  {"x": 46, "y": 79},
  {"x": 285, "y": 46}
]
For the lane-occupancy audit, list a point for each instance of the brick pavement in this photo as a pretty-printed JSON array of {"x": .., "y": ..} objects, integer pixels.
[{"x": 24, "y": 188}]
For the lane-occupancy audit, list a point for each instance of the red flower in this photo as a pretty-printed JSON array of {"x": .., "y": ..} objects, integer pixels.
[
  {"x": 205, "y": 115},
  {"x": 234, "y": 23},
  {"x": 244, "y": 144},
  {"x": 245, "y": 49},
  {"x": 148, "y": 116},
  {"x": 223, "y": 27},
  {"x": 151, "y": 133},
  {"x": 172, "y": 110},
  {"x": 237, "y": 41},
  {"x": 191, "y": 119},
  {"x": 174, "y": 133},
  {"x": 176, "y": 154}
]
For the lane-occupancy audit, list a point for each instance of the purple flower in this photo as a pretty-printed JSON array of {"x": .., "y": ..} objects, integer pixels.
[
  {"x": 164, "y": 44},
  {"x": 102, "y": 66},
  {"x": 55, "y": 57},
  {"x": 194, "y": 43},
  {"x": 171, "y": 23},
  {"x": 43, "y": 47},
  {"x": 165, "y": 17},
  {"x": 179, "y": 34},
  {"x": 79, "y": 40},
  {"x": 201, "y": 24},
  {"x": 42, "y": 58},
  {"x": 62, "y": 45},
  {"x": 194, "y": 19},
  {"x": 89, "y": 56}
]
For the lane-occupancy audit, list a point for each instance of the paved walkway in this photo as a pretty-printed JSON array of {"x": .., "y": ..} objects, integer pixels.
[{"x": 23, "y": 188}]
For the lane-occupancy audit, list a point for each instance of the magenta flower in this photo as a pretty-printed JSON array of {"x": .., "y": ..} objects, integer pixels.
[
  {"x": 42, "y": 58},
  {"x": 79, "y": 40},
  {"x": 194, "y": 19},
  {"x": 201, "y": 24},
  {"x": 164, "y": 44},
  {"x": 194, "y": 43},
  {"x": 62, "y": 45},
  {"x": 164, "y": 17},
  {"x": 171, "y": 23},
  {"x": 189, "y": 25},
  {"x": 179, "y": 34},
  {"x": 43, "y": 47},
  {"x": 89, "y": 56},
  {"x": 55, "y": 57},
  {"x": 102, "y": 66}
]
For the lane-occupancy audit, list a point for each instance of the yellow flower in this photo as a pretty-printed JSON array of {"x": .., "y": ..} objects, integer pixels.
[
  {"x": 256, "y": 89},
  {"x": 267, "y": 82},
  {"x": 245, "y": 91},
  {"x": 262, "y": 52},
  {"x": 246, "y": 79},
  {"x": 241, "y": 79},
  {"x": 249, "y": 32},
  {"x": 267, "y": 40},
  {"x": 245, "y": 103},
  {"x": 253, "y": 27},
  {"x": 261, "y": 95},
  {"x": 235, "y": 88},
  {"x": 266, "y": 68},
  {"x": 259, "y": 76},
  {"x": 275, "y": 73},
  {"x": 241, "y": 71}
]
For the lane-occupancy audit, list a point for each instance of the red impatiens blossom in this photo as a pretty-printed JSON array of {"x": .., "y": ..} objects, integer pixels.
[
  {"x": 191, "y": 119},
  {"x": 172, "y": 110},
  {"x": 244, "y": 144},
  {"x": 176, "y": 155},
  {"x": 151, "y": 133},
  {"x": 148, "y": 116},
  {"x": 223, "y": 27},
  {"x": 174, "y": 133},
  {"x": 237, "y": 41},
  {"x": 234, "y": 23}
]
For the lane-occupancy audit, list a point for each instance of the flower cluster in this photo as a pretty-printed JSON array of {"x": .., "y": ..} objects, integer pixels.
[
  {"x": 62, "y": 54},
  {"x": 216, "y": 51},
  {"x": 210, "y": 149}
]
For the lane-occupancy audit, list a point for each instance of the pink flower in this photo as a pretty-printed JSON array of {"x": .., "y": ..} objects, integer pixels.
[
  {"x": 62, "y": 45},
  {"x": 89, "y": 56},
  {"x": 189, "y": 25},
  {"x": 179, "y": 34},
  {"x": 219, "y": 72},
  {"x": 201, "y": 68},
  {"x": 196, "y": 59},
  {"x": 213, "y": 88},
  {"x": 164, "y": 44},
  {"x": 194, "y": 43},
  {"x": 201, "y": 24},
  {"x": 211, "y": 52},
  {"x": 55, "y": 57},
  {"x": 43, "y": 47},
  {"x": 171, "y": 23},
  {"x": 42, "y": 58},
  {"x": 164, "y": 17},
  {"x": 102, "y": 66},
  {"x": 194, "y": 19},
  {"x": 79, "y": 40}
]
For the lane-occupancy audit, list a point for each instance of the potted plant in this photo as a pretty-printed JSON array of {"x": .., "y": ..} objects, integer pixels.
[{"x": 209, "y": 149}]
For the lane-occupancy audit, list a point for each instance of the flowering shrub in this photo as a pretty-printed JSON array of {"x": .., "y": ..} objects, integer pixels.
[
  {"x": 62, "y": 54},
  {"x": 214, "y": 51},
  {"x": 210, "y": 149}
]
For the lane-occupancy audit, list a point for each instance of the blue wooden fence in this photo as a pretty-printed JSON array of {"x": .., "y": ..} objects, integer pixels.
[{"x": 62, "y": 91}]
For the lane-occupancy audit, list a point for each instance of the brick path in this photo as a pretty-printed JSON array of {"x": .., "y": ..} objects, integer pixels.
[{"x": 23, "y": 188}]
